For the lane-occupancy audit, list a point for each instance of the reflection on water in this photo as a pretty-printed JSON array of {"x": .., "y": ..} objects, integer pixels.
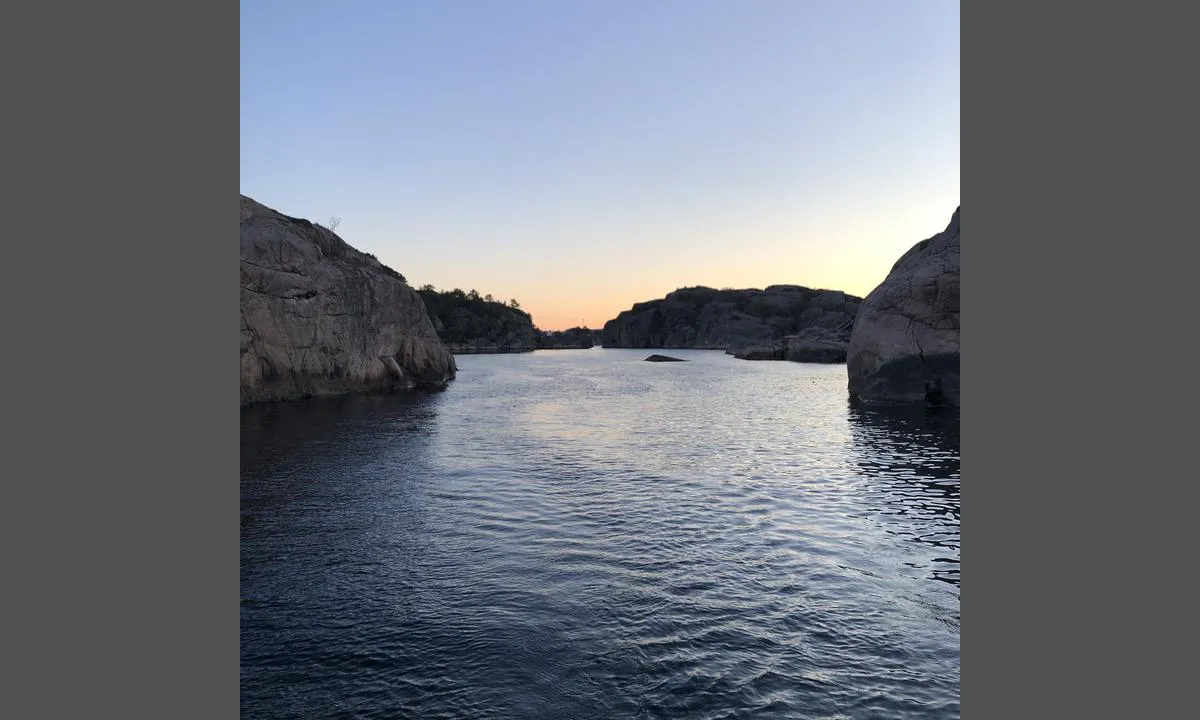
[
  {"x": 581, "y": 534},
  {"x": 912, "y": 458},
  {"x": 277, "y": 436}
]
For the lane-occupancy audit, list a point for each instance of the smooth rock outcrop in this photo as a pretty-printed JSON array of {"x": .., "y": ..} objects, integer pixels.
[
  {"x": 732, "y": 320},
  {"x": 664, "y": 358},
  {"x": 321, "y": 318},
  {"x": 905, "y": 343}
]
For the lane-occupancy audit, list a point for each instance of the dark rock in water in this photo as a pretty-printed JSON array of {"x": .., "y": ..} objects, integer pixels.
[
  {"x": 664, "y": 358},
  {"x": 758, "y": 352},
  {"x": 321, "y": 318},
  {"x": 733, "y": 320},
  {"x": 905, "y": 344}
]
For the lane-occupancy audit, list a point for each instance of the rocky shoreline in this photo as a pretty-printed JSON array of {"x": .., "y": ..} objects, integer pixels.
[{"x": 322, "y": 318}]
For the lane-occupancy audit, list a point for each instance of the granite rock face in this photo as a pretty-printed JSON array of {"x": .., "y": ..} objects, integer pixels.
[
  {"x": 732, "y": 320},
  {"x": 321, "y": 318},
  {"x": 905, "y": 343}
]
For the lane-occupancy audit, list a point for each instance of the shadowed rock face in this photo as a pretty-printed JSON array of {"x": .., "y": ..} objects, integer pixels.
[
  {"x": 905, "y": 343},
  {"x": 321, "y": 318},
  {"x": 702, "y": 317}
]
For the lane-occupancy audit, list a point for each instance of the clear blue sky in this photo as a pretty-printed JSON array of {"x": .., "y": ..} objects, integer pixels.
[{"x": 583, "y": 155}]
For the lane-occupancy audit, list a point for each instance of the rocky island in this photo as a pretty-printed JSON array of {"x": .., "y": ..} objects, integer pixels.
[
  {"x": 322, "y": 318},
  {"x": 469, "y": 323},
  {"x": 780, "y": 322},
  {"x": 905, "y": 344},
  {"x": 576, "y": 338}
]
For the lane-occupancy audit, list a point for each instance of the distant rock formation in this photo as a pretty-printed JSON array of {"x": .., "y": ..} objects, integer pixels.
[
  {"x": 321, "y": 318},
  {"x": 664, "y": 358},
  {"x": 905, "y": 344},
  {"x": 818, "y": 345},
  {"x": 810, "y": 345},
  {"x": 576, "y": 338},
  {"x": 470, "y": 324},
  {"x": 778, "y": 323}
]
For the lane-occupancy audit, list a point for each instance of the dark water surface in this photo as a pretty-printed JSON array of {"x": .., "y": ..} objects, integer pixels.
[{"x": 581, "y": 534}]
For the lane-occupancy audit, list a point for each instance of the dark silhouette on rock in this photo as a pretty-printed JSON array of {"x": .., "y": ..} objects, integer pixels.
[
  {"x": 905, "y": 344},
  {"x": 470, "y": 324},
  {"x": 749, "y": 323},
  {"x": 664, "y": 358},
  {"x": 321, "y": 318}
]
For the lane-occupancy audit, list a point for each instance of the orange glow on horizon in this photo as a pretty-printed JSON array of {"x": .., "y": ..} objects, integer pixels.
[{"x": 589, "y": 281}]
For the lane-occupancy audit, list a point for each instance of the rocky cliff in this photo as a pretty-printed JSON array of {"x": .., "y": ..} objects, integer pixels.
[
  {"x": 735, "y": 320},
  {"x": 470, "y": 324},
  {"x": 905, "y": 343},
  {"x": 321, "y": 318}
]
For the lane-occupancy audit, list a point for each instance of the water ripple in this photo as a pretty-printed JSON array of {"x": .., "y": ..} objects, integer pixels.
[{"x": 579, "y": 534}]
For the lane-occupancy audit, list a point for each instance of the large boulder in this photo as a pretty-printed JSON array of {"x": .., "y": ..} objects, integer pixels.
[
  {"x": 321, "y": 318},
  {"x": 905, "y": 344}
]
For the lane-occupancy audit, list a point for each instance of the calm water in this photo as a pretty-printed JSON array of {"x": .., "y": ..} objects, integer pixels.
[{"x": 581, "y": 534}]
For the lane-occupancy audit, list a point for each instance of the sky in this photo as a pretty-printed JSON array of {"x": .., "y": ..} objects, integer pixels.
[{"x": 583, "y": 155}]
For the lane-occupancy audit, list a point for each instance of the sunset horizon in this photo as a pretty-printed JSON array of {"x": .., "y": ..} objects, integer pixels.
[{"x": 586, "y": 157}]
